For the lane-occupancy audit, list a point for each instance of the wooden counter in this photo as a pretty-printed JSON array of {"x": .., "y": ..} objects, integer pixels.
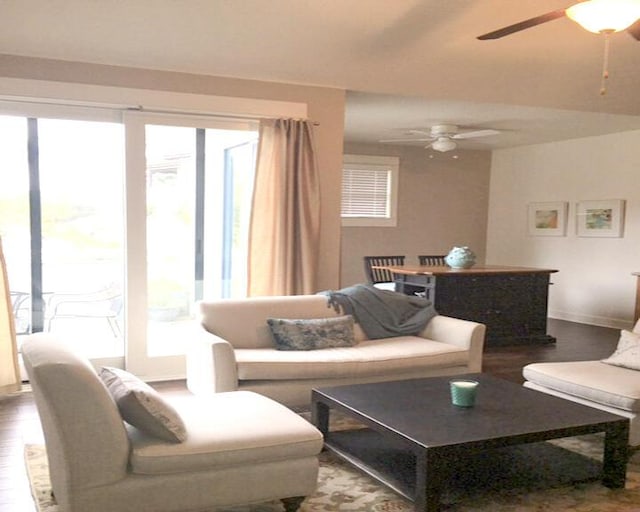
[{"x": 511, "y": 301}]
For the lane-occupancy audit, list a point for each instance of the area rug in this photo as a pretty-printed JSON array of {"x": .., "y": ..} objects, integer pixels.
[{"x": 343, "y": 488}]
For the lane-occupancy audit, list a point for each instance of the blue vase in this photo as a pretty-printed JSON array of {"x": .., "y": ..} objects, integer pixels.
[{"x": 460, "y": 257}]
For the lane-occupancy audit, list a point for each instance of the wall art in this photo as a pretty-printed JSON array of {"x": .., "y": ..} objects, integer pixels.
[
  {"x": 601, "y": 218},
  {"x": 548, "y": 219}
]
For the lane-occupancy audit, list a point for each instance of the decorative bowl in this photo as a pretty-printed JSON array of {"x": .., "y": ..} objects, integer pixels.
[{"x": 460, "y": 257}]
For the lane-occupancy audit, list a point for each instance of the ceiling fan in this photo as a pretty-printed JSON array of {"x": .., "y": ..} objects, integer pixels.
[
  {"x": 599, "y": 16},
  {"x": 442, "y": 137}
]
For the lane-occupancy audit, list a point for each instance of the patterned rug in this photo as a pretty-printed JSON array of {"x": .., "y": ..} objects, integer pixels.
[{"x": 345, "y": 489}]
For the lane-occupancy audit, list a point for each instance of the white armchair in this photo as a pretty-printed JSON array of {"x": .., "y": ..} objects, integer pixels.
[{"x": 612, "y": 388}]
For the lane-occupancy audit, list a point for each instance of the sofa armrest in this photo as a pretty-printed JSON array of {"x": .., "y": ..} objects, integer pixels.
[
  {"x": 459, "y": 332},
  {"x": 211, "y": 364}
]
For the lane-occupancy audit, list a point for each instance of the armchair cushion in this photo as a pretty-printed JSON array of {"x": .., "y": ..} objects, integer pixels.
[
  {"x": 590, "y": 380},
  {"x": 142, "y": 406},
  {"x": 312, "y": 333},
  {"x": 627, "y": 354},
  {"x": 226, "y": 434}
]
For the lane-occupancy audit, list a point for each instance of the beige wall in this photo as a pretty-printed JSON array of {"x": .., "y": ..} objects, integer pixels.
[
  {"x": 325, "y": 106},
  {"x": 594, "y": 283},
  {"x": 442, "y": 202}
]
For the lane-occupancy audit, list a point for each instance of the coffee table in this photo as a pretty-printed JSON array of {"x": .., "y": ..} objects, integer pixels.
[{"x": 417, "y": 442}]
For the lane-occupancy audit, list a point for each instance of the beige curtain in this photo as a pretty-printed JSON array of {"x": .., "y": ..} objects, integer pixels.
[
  {"x": 285, "y": 218},
  {"x": 9, "y": 371}
]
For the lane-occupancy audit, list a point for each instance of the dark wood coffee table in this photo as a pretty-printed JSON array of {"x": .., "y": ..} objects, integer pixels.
[{"x": 417, "y": 442}]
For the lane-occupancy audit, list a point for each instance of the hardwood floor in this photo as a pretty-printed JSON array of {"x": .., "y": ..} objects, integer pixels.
[
  {"x": 19, "y": 423},
  {"x": 575, "y": 342}
]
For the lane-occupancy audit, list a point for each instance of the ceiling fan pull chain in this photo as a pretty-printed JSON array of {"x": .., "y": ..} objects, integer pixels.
[{"x": 605, "y": 66}]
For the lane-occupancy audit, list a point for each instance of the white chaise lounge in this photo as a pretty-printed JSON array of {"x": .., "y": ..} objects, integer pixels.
[{"x": 240, "y": 447}]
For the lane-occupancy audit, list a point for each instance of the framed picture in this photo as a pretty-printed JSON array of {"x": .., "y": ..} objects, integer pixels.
[
  {"x": 548, "y": 219},
  {"x": 603, "y": 218}
]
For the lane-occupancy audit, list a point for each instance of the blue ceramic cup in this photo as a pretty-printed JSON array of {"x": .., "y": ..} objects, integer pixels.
[{"x": 463, "y": 392}]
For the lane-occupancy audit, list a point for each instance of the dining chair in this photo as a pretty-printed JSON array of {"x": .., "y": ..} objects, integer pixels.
[
  {"x": 381, "y": 278},
  {"x": 432, "y": 260}
]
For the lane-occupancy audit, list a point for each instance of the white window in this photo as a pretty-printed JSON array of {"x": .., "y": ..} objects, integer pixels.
[{"x": 369, "y": 190}]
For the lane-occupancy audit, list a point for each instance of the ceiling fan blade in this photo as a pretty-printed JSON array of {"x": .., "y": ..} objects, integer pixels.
[
  {"x": 634, "y": 30},
  {"x": 407, "y": 140},
  {"x": 517, "y": 27},
  {"x": 476, "y": 133}
]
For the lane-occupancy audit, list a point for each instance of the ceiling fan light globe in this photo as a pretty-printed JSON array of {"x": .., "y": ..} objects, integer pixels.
[
  {"x": 443, "y": 144},
  {"x": 599, "y": 16}
]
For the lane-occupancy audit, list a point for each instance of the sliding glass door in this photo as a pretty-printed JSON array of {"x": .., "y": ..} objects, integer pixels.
[
  {"x": 14, "y": 216},
  {"x": 114, "y": 226},
  {"x": 61, "y": 220},
  {"x": 198, "y": 182},
  {"x": 81, "y": 170}
]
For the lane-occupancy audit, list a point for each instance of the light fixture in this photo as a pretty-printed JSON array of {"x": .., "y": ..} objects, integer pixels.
[
  {"x": 604, "y": 16},
  {"x": 443, "y": 144}
]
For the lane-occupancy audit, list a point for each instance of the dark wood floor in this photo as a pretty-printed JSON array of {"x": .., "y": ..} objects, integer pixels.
[
  {"x": 575, "y": 342},
  {"x": 19, "y": 424}
]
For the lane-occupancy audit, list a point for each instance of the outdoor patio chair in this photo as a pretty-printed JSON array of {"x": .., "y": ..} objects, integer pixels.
[{"x": 106, "y": 303}]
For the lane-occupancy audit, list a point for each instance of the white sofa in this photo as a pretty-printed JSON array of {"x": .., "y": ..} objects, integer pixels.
[
  {"x": 233, "y": 349},
  {"x": 611, "y": 388}
]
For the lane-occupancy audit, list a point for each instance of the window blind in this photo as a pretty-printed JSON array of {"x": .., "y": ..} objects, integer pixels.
[{"x": 366, "y": 192}]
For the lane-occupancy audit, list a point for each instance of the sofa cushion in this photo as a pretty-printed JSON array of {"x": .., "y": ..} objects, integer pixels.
[
  {"x": 226, "y": 433},
  {"x": 592, "y": 380},
  {"x": 142, "y": 406},
  {"x": 369, "y": 357},
  {"x": 244, "y": 321},
  {"x": 312, "y": 333},
  {"x": 627, "y": 354}
]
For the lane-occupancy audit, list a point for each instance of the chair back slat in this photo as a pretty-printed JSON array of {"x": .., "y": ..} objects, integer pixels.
[
  {"x": 376, "y": 275},
  {"x": 432, "y": 260}
]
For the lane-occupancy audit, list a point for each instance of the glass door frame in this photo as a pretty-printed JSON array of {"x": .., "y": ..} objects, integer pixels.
[{"x": 138, "y": 360}]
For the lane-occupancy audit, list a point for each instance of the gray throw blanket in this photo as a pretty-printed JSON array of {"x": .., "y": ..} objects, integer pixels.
[{"x": 382, "y": 313}]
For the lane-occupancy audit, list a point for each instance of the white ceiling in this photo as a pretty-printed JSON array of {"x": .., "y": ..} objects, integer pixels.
[
  {"x": 406, "y": 63},
  {"x": 372, "y": 117}
]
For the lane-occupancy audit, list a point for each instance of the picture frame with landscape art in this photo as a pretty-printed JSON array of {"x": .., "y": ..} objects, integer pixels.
[
  {"x": 548, "y": 219},
  {"x": 601, "y": 218}
]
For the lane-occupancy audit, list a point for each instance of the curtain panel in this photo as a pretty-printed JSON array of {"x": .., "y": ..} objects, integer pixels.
[
  {"x": 9, "y": 370},
  {"x": 284, "y": 229}
]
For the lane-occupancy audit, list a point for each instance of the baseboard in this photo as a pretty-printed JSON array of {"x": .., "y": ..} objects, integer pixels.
[{"x": 601, "y": 321}]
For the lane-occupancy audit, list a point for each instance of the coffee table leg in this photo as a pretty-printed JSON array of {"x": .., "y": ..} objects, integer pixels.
[
  {"x": 616, "y": 448},
  {"x": 320, "y": 416},
  {"x": 429, "y": 478}
]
